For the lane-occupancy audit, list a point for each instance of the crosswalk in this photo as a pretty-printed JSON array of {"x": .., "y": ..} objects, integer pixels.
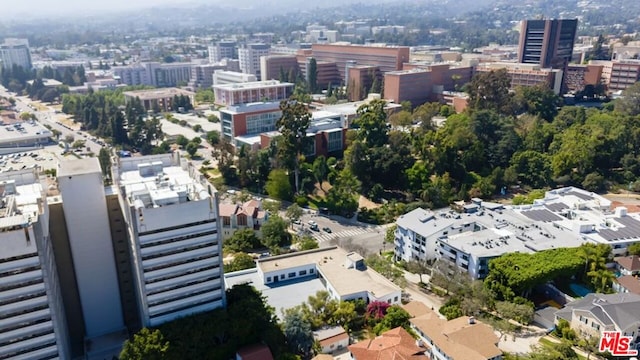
[{"x": 354, "y": 231}]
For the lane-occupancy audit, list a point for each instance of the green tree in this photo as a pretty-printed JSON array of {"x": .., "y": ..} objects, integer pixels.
[
  {"x": 146, "y": 345},
  {"x": 278, "y": 185},
  {"x": 629, "y": 103},
  {"x": 372, "y": 123},
  {"x": 634, "y": 249},
  {"x": 293, "y": 125},
  {"x": 104, "y": 157},
  {"x": 294, "y": 212},
  {"x": 242, "y": 240},
  {"x": 191, "y": 148},
  {"x": 320, "y": 169},
  {"x": 490, "y": 91},
  {"x": 274, "y": 233},
  {"x": 297, "y": 331},
  {"x": 538, "y": 100},
  {"x": 312, "y": 76},
  {"x": 307, "y": 243},
  {"x": 241, "y": 261},
  {"x": 395, "y": 317}
]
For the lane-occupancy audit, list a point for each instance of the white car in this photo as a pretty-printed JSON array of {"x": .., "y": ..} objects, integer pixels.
[{"x": 312, "y": 223}]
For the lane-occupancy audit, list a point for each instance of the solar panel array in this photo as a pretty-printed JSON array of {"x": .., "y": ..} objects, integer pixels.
[
  {"x": 541, "y": 215},
  {"x": 557, "y": 206},
  {"x": 580, "y": 195},
  {"x": 630, "y": 230}
]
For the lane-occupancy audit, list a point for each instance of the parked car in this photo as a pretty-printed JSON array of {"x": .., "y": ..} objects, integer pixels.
[
  {"x": 326, "y": 229},
  {"x": 314, "y": 227}
]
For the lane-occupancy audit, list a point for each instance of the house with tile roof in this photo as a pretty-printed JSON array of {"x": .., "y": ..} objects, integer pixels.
[
  {"x": 332, "y": 339},
  {"x": 395, "y": 344},
  {"x": 628, "y": 265},
  {"x": 628, "y": 271},
  {"x": 254, "y": 352},
  {"x": 463, "y": 338},
  {"x": 595, "y": 313},
  {"x": 240, "y": 216}
]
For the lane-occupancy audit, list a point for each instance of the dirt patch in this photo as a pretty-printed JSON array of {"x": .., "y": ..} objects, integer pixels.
[
  {"x": 363, "y": 202},
  {"x": 322, "y": 191}
]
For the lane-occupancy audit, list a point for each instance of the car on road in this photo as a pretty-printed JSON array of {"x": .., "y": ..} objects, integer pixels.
[
  {"x": 314, "y": 227},
  {"x": 311, "y": 223},
  {"x": 326, "y": 229},
  {"x": 297, "y": 222}
]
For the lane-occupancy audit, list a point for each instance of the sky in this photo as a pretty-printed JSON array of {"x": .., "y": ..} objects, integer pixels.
[{"x": 79, "y": 7}]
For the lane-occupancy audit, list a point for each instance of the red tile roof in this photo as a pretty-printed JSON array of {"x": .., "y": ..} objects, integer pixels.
[
  {"x": 630, "y": 263},
  {"x": 630, "y": 282},
  {"x": 395, "y": 344}
]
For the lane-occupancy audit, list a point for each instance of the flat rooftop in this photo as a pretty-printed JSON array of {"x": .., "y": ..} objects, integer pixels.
[
  {"x": 153, "y": 94},
  {"x": 75, "y": 167},
  {"x": 21, "y": 203},
  {"x": 23, "y": 131},
  {"x": 253, "y": 85},
  {"x": 330, "y": 262},
  {"x": 158, "y": 180}
]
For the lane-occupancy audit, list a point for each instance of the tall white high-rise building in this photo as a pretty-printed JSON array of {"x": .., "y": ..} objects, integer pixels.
[
  {"x": 249, "y": 57},
  {"x": 87, "y": 222},
  {"x": 171, "y": 212},
  {"x": 32, "y": 319},
  {"x": 15, "y": 52}
]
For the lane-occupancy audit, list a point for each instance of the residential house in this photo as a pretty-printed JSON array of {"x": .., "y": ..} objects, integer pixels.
[
  {"x": 332, "y": 339},
  {"x": 463, "y": 338},
  {"x": 628, "y": 268},
  {"x": 395, "y": 344},
  {"x": 240, "y": 216},
  {"x": 595, "y": 313}
]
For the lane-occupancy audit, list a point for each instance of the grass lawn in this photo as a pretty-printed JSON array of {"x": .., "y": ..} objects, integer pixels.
[{"x": 546, "y": 342}]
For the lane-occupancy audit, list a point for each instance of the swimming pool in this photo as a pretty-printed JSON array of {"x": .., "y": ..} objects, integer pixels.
[{"x": 579, "y": 289}]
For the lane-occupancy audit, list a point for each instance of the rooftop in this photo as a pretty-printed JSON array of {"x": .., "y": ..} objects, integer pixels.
[
  {"x": 152, "y": 94},
  {"x": 75, "y": 167},
  {"x": 621, "y": 310},
  {"x": 158, "y": 180},
  {"x": 630, "y": 282},
  {"x": 630, "y": 263},
  {"x": 253, "y": 85},
  {"x": 395, "y": 344},
  {"x": 15, "y": 130},
  {"x": 331, "y": 264},
  {"x": 21, "y": 204}
]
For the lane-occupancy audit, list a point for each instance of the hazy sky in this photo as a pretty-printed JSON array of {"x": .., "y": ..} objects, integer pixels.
[{"x": 79, "y": 7}]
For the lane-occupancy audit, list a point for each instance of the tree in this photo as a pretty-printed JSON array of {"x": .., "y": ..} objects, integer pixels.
[
  {"x": 105, "y": 162},
  {"x": 293, "y": 125},
  {"x": 242, "y": 240},
  {"x": 629, "y": 103},
  {"x": 312, "y": 75},
  {"x": 320, "y": 169},
  {"x": 415, "y": 266},
  {"x": 213, "y": 137},
  {"x": 538, "y": 100},
  {"x": 146, "y": 345},
  {"x": 294, "y": 212},
  {"x": 274, "y": 233},
  {"x": 297, "y": 331},
  {"x": 192, "y": 148},
  {"x": 395, "y": 317},
  {"x": 278, "y": 185},
  {"x": 490, "y": 91},
  {"x": 241, "y": 261},
  {"x": 372, "y": 123},
  {"x": 634, "y": 249},
  {"x": 307, "y": 243}
]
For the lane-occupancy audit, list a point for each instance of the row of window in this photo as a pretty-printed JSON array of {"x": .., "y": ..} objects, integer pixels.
[{"x": 291, "y": 275}]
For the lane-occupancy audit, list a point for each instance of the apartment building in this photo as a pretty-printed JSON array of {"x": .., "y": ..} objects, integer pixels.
[
  {"x": 91, "y": 251},
  {"x": 578, "y": 76},
  {"x": 249, "y": 57},
  {"x": 158, "y": 99},
  {"x": 221, "y": 77},
  {"x": 527, "y": 74},
  {"x": 272, "y": 66},
  {"x": 386, "y": 58},
  {"x": 171, "y": 213},
  {"x": 548, "y": 42},
  {"x": 624, "y": 74},
  {"x": 15, "y": 52},
  {"x": 424, "y": 83},
  {"x": 250, "y": 92},
  {"x": 202, "y": 75},
  {"x": 153, "y": 74},
  {"x": 477, "y": 232},
  {"x": 225, "y": 49},
  {"x": 32, "y": 320}
]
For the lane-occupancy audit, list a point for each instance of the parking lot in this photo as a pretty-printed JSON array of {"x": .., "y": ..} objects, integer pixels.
[{"x": 44, "y": 158}]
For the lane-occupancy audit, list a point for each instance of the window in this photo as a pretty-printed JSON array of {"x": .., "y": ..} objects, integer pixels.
[
  {"x": 242, "y": 220},
  {"x": 395, "y": 299},
  {"x": 226, "y": 221},
  {"x": 292, "y": 274},
  {"x": 335, "y": 141},
  {"x": 282, "y": 277},
  {"x": 311, "y": 271},
  {"x": 269, "y": 279},
  {"x": 302, "y": 272},
  {"x": 260, "y": 123}
]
